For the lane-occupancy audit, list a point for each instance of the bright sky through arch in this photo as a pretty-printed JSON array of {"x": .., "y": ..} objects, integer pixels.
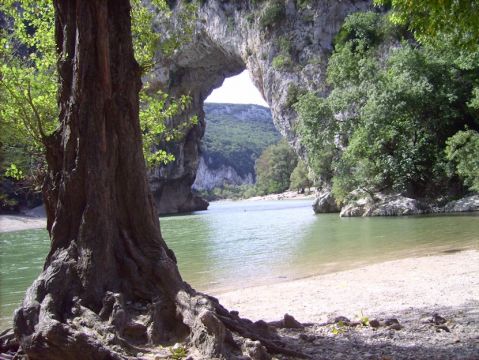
[{"x": 237, "y": 89}]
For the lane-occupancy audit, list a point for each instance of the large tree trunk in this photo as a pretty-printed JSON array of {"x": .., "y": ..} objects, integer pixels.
[{"x": 110, "y": 287}]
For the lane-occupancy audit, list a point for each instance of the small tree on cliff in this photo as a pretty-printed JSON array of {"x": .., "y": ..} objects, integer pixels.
[{"x": 110, "y": 287}]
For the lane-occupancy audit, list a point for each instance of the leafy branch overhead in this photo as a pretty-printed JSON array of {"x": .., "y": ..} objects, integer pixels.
[
  {"x": 146, "y": 21},
  {"x": 29, "y": 79},
  {"x": 429, "y": 20}
]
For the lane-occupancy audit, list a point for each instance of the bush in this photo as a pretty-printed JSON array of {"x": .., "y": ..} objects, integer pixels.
[
  {"x": 281, "y": 62},
  {"x": 293, "y": 95},
  {"x": 299, "y": 179},
  {"x": 284, "y": 44},
  {"x": 303, "y": 4},
  {"x": 272, "y": 14},
  {"x": 462, "y": 151},
  {"x": 360, "y": 26}
]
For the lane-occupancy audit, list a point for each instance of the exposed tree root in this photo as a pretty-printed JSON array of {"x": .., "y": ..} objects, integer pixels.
[
  {"x": 126, "y": 331},
  {"x": 54, "y": 321}
]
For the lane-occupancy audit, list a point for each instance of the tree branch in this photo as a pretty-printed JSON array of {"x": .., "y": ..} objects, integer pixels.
[{"x": 35, "y": 112}]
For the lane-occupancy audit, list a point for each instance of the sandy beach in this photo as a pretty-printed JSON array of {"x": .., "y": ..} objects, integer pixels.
[
  {"x": 448, "y": 280},
  {"x": 287, "y": 195},
  {"x": 415, "y": 308},
  {"x": 10, "y": 223}
]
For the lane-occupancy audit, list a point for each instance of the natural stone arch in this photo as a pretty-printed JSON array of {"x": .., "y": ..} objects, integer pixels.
[
  {"x": 230, "y": 37},
  {"x": 203, "y": 67}
]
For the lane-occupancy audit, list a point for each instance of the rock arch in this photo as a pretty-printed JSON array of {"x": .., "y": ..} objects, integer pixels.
[{"x": 284, "y": 56}]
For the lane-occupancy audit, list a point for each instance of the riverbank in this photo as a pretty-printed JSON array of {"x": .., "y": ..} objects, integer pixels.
[
  {"x": 409, "y": 290},
  {"x": 10, "y": 223},
  {"x": 287, "y": 195},
  {"x": 447, "y": 280}
]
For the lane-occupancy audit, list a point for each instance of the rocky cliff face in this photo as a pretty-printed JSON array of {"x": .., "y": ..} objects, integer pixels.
[
  {"x": 236, "y": 135},
  {"x": 284, "y": 45},
  {"x": 208, "y": 177}
]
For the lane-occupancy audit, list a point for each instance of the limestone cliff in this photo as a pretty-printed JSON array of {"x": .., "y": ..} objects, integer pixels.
[
  {"x": 236, "y": 135},
  {"x": 208, "y": 177},
  {"x": 285, "y": 46}
]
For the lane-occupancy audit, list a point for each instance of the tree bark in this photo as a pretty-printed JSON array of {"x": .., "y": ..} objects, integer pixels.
[{"x": 110, "y": 287}]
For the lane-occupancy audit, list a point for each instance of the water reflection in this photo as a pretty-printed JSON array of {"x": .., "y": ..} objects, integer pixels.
[
  {"x": 332, "y": 243},
  {"x": 248, "y": 241},
  {"x": 22, "y": 255}
]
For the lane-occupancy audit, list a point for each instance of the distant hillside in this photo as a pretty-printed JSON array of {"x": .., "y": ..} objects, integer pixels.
[{"x": 235, "y": 136}]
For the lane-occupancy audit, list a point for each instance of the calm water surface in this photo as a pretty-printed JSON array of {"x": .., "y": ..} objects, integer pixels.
[{"x": 246, "y": 243}]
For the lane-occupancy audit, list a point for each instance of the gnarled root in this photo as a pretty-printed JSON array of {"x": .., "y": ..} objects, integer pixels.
[{"x": 126, "y": 329}]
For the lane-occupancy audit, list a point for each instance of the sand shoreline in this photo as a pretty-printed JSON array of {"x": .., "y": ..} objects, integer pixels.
[
  {"x": 437, "y": 281},
  {"x": 9, "y": 223},
  {"x": 287, "y": 195},
  {"x": 414, "y": 292}
]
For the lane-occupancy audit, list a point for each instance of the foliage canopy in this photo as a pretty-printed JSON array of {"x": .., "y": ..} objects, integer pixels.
[
  {"x": 392, "y": 107},
  {"x": 462, "y": 151},
  {"x": 429, "y": 19},
  {"x": 29, "y": 82},
  {"x": 274, "y": 168}
]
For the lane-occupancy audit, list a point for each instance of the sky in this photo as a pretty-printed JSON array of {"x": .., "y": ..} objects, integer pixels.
[{"x": 237, "y": 89}]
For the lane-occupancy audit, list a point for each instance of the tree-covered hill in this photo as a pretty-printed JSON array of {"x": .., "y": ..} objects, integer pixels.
[{"x": 236, "y": 135}]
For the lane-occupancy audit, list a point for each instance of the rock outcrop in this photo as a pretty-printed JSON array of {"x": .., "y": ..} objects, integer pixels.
[
  {"x": 398, "y": 205},
  {"x": 285, "y": 46},
  {"x": 385, "y": 205},
  {"x": 467, "y": 204},
  {"x": 325, "y": 202}
]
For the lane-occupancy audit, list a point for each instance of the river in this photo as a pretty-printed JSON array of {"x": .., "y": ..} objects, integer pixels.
[{"x": 245, "y": 243}]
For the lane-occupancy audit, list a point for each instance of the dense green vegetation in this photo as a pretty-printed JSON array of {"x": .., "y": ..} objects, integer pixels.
[
  {"x": 300, "y": 179},
  {"x": 393, "y": 106},
  {"x": 462, "y": 151},
  {"x": 274, "y": 168},
  {"x": 432, "y": 20},
  {"x": 29, "y": 81},
  {"x": 236, "y": 137}
]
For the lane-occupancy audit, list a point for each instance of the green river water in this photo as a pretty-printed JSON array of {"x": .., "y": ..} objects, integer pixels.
[{"x": 245, "y": 243}]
